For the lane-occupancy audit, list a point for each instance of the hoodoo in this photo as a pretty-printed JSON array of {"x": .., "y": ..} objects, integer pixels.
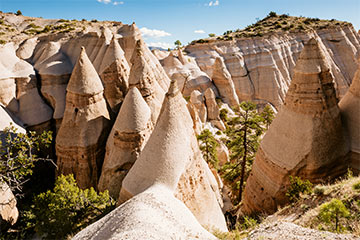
[
  {"x": 305, "y": 139},
  {"x": 130, "y": 132},
  {"x": 176, "y": 162},
  {"x": 81, "y": 137},
  {"x": 350, "y": 111},
  {"x": 114, "y": 72}
]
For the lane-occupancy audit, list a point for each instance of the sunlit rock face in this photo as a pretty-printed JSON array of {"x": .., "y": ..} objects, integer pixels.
[
  {"x": 305, "y": 139},
  {"x": 81, "y": 137}
]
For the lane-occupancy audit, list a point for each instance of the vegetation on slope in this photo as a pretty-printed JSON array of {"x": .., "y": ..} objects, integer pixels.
[{"x": 274, "y": 23}]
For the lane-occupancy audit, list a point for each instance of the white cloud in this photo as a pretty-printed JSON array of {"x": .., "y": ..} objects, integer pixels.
[
  {"x": 200, "y": 31},
  {"x": 110, "y": 1},
  {"x": 118, "y": 3},
  {"x": 163, "y": 45},
  {"x": 154, "y": 33},
  {"x": 104, "y": 1},
  {"x": 214, "y": 3}
]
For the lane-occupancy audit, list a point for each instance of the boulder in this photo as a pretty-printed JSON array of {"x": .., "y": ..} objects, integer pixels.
[{"x": 305, "y": 139}]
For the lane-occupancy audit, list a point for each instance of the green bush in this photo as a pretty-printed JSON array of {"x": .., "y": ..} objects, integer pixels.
[
  {"x": 272, "y": 14},
  {"x": 356, "y": 186},
  {"x": 297, "y": 186},
  {"x": 2, "y": 42},
  {"x": 212, "y": 35},
  {"x": 18, "y": 13},
  {"x": 333, "y": 211},
  {"x": 208, "y": 145},
  {"x": 67, "y": 209}
]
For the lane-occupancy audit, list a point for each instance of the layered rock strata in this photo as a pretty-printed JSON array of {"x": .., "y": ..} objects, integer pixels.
[
  {"x": 350, "y": 111},
  {"x": 175, "y": 159},
  {"x": 305, "y": 139},
  {"x": 128, "y": 136},
  {"x": 81, "y": 137}
]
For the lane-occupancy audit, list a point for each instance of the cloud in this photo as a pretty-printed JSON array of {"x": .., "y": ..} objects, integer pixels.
[
  {"x": 110, "y": 1},
  {"x": 163, "y": 45},
  {"x": 104, "y": 1},
  {"x": 214, "y": 3},
  {"x": 200, "y": 31},
  {"x": 118, "y": 3},
  {"x": 153, "y": 33}
]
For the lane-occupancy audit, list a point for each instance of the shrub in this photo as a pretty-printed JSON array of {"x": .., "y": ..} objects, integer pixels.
[
  {"x": 356, "y": 186},
  {"x": 212, "y": 35},
  {"x": 18, "y": 13},
  {"x": 333, "y": 210},
  {"x": 67, "y": 209},
  {"x": 319, "y": 190},
  {"x": 272, "y": 14},
  {"x": 2, "y": 42},
  {"x": 208, "y": 145},
  {"x": 94, "y": 20},
  {"x": 297, "y": 186}
]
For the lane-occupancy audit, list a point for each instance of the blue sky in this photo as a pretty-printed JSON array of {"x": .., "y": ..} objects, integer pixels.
[{"x": 185, "y": 20}]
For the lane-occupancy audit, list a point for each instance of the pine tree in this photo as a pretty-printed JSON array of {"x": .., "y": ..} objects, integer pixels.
[
  {"x": 208, "y": 144},
  {"x": 244, "y": 134}
]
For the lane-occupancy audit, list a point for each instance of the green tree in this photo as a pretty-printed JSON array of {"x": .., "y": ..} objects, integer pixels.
[
  {"x": 333, "y": 210},
  {"x": 18, "y": 156},
  {"x": 212, "y": 35},
  {"x": 177, "y": 44},
  {"x": 18, "y": 13},
  {"x": 268, "y": 116},
  {"x": 67, "y": 209},
  {"x": 208, "y": 145},
  {"x": 244, "y": 132},
  {"x": 297, "y": 186}
]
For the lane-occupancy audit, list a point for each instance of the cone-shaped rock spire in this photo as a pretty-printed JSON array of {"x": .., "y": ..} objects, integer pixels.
[
  {"x": 350, "y": 111},
  {"x": 304, "y": 140},
  {"x": 114, "y": 73},
  {"x": 130, "y": 132},
  {"x": 81, "y": 137},
  {"x": 175, "y": 161},
  {"x": 142, "y": 76}
]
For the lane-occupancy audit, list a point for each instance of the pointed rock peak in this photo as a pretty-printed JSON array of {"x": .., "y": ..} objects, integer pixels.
[
  {"x": 355, "y": 85},
  {"x": 134, "y": 114},
  {"x": 181, "y": 57},
  {"x": 113, "y": 53},
  {"x": 138, "y": 51},
  {"x": 312, "y": 59},
  {"x": 84, "y": 78},
  {"x": 209, "y": 94},
  {"x": 171, "y": 61},
  {"x": 173, "y": 89},
  {"x": 106, "y": 33}
]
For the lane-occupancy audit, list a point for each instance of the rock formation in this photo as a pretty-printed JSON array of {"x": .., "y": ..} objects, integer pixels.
[
  {"x": 197, "y": 100},
  {"x": 129, "y": 134},
  {"x": 8, "y": 211},
  {"x": 304, "y": 140},
  {"x": 174, "y": 157},
  {"x": 152, "y": 214},
  {"x": 224, "y": 83},
  {"x": 81, "y": 137},
  {"x": 143, "y": 76},
  {"x": 114, "y": 72},
  {"x": 213, "y": 110},
  {"x": 350, "y": 111}
]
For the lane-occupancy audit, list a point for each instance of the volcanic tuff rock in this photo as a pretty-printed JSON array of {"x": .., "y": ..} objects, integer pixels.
[
  {"x": 262, "y": 67},
  {"x": 153, "y": 214},
  {"x": 222, "y": 79},
  {"x": 197, "y": 100},
  {"x": 127, "y": 138},
  {"x": 174, "y": 157},
  {"x": 350, "y": 111},
  {"x": 8, "y": 211},
  {"x": 213, "y": 110},
  {"x": 80, "y": 140},
  {"x": 308, "y": 127},
  {"x": 114, "y": 73}
]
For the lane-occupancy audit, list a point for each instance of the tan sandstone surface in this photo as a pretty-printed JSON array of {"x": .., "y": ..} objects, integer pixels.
[{"x": 308, "y": 127}]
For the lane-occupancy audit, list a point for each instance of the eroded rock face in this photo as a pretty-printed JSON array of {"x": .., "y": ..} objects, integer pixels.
[
  {"x": 213, "y": 110},
  {"x": 224, "y": 83},
  {"x": 262, "y": 68},
  {"x": 129, "y": 134},
  {"x": 174, "y": 157},
  {"x": 114, "y": 72},
  {"x": 143, "y": 76},
  {"x": 197, "y": 100},
  {"x": 350, "y": 111},
  {"x": 81, "y": 137},
  {"x": 305, "y": 139},
  {"x": 152, "y": 214}
]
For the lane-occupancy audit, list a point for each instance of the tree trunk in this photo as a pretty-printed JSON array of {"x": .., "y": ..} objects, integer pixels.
[{"x": 243, "y": 164}]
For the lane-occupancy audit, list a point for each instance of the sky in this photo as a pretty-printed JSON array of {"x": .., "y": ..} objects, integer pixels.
[{"x": 162, "y": 22}]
